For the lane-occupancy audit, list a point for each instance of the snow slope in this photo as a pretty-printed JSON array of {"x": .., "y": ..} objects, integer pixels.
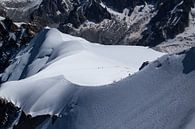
[
  {"x": 80, "y": 62},
  {"x": 160, "y": 96}
]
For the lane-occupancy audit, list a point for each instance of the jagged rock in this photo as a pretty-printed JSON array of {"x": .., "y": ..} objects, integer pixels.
[
  {"x": 75, "y": 12},
  {"x": 51, "y": 12},
  {"x": 9, "y": 113},
  {"x": 119, "y": 5},
  {"x": 100, "y": 33},
  {"x": 144, "y": 65},
  {"x": 12, "y": 39},
  {"x": 171, "y": 19},
  {"x": 153, "y": 22},
  {"x": 157, "y": 21}
]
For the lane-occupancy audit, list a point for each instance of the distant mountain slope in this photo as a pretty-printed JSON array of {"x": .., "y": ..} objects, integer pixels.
[
  {"x": 19, "y": 10},
  {"x": 138, "y": 22},
  {"x": 182, "y": 41},
  {"x": 161, "y": 95}
]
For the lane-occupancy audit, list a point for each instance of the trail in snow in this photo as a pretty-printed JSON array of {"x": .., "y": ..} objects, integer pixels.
[{"x": 79, "y": 61}]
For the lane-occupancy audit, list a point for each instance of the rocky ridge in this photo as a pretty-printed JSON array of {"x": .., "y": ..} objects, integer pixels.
[{"x": 134, "y": 22}]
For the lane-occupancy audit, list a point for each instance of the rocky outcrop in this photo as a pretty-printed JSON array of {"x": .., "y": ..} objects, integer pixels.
[
  {"x": 122, "y": 29},
  {"x": 9, "y": 114},
  {"x": 144, "y": 22},
  {"x": 171, "y": 19},
  {"x": 12, "y": 39},
  {"x": 147, "y": 23},
  {"x": 51, "y": 12},
  {"x": 13, "y": 117},
  {"x": 75, "y": 12},
  {"x": 120, "y": 5},
  {"x": 29, "y": 122},
  {"x": 107, "y": 32}
]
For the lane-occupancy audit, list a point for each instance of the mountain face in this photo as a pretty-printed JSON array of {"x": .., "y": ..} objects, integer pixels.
[
  {"x": 19, "y": 10},
  {"x": 181, "y": 42},
  {"x": 171, "y": 19},
  {"x": 9, "y": 113},
  {"x": 137, "y": 22},
  {"x": 12, "y": 38},
  {"x": 68, "y": 80}
]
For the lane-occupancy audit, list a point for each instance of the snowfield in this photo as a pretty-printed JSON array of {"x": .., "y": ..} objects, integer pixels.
[
  {"x": 88, "y": 86},
  {"x": 53, "y": 54}
]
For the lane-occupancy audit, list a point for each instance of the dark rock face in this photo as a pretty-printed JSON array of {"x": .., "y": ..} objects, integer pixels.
[
  {"x": 189, "y": 61},
  {"x": 29, "y": 122},
  {"x": 107, "y": 32},
  {"x": 94, "y": 12},
  {"x": 75, "y": 12},
  {"x": 9, "y": 113},
  {"x": 2, "y": 12},
  {"x": 119, "y": 5},
  {"x": 144, "y": 65},
  {"x": 12, "y": 39},
  {"x": 12, "y": 116},
  {"x": 51, "y": 12},
  {"x": 171, "y": 19}
]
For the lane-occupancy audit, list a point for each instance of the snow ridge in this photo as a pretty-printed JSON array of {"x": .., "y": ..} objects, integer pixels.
[
  {"x": 161, "y": 95},
  {"x": 52, "y": 53}
]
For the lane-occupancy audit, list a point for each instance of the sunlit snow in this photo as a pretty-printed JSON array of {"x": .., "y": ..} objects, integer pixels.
[
  {"x": 88, "y": 86},
  {"x": 80, "y": 61}
]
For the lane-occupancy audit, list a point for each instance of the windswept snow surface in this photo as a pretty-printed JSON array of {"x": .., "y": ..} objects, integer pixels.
[
  {"x": 80, "y": 62},
  {"x": 160, "y": 96}
]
